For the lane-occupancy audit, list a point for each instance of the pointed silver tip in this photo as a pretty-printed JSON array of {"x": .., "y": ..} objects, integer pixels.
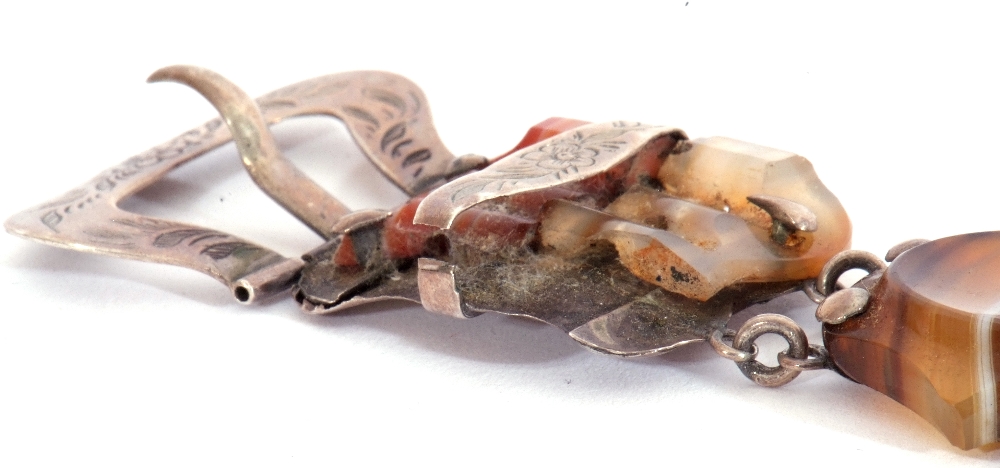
[{"x": 790, "y": 215}]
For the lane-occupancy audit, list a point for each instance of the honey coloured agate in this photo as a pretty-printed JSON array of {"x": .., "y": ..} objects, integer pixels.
[{"x": 930, "y": 337}]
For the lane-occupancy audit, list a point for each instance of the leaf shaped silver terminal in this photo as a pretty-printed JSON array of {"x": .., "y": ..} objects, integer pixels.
[
  {"x": 842, "y": 305},
  {"x": 790, "y": 215}
]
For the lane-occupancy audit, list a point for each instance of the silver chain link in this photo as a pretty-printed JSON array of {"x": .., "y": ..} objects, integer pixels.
[
  {"x": 800, "y": 355},
  {"x": 716, "y": 339}
]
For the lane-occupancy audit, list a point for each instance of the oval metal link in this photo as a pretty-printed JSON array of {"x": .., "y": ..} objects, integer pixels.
[
  {"x": 816, "y": 360},
  {"x": 809, "y": 287},
  {"x": 729, "y": 352},
  {"x": 780, "y": 325},
  {"x": 826, "y": 282}
]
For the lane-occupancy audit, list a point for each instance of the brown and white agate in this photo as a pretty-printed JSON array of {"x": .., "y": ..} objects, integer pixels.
[
  {"x": 930, "y": 337},
  {"x": 700, "y": 234}
]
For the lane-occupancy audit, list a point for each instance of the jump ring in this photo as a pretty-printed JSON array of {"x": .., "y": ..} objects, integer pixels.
[
  {"x": 817, "y": 359},
  {"x": 826, "y": 282},
  {"x": 780, "y": 325},
  {"x": 809, "y": 287},
  {"x": 729, "y": 352}
]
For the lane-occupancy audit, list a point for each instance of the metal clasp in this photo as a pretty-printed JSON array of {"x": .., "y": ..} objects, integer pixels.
[{"x": 387, "y": 115}]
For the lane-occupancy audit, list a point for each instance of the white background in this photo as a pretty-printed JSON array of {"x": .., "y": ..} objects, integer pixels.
[{"x": 117, "y": 363}]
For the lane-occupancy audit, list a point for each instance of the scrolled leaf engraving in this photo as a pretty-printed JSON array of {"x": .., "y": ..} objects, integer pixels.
[
  {"x": 226, "y": 249},
  {"x": 416, "y": 157},
  {"x": 397, "y": 150},
  {"x": 194, "y": 236},
  {"x": 392, "y": 134},
  {"x": 363, "y": 115},
  {"x": 175, "y": 238},
  {"x": 574, "y": 156},
  {"x": 387, "y": 97}
]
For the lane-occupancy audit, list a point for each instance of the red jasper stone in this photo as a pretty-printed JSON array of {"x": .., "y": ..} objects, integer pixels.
[{"x": 547, "y": 128}]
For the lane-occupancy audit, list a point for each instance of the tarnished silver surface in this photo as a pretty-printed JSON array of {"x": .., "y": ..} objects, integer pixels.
[
  {"x": 791, "y": 215},
  {"x": 386, "y": 114},
  {"x": 826, "y": 282},
  {"x": 267, "y": 282},
  {"x": 575, "y": 155},
  {"x": 321, "y": 290},
  {"x": 809, "y": 288},
  {"x": 901, "y": 247},
  {"x": 798, "y": 348},
  {"x": 647, "y": 326},
  {"x": 438, "y": 293},
  {"x": 716, "y": 339},
  {"x": 589, "y": 291},
  {"x": 277, "y": 176},
  {"x": 600, "y": 304},
  {"x": 818, "y": 359},
  {"x": 842, "y": 305},
  {"x": 358, "y": 219}
]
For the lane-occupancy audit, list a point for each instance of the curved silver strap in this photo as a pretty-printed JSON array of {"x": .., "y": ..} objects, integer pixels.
[{"x": 385, "y": 113}]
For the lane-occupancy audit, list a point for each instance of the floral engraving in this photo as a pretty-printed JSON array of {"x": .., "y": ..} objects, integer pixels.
[
  {"x": 558, "y": 160},
  {"x": 567, "y": 155},
  {"x": 570, "y": 157},
  {"x": 392, "y": 134},
  {"x": 562, "y": 159}
]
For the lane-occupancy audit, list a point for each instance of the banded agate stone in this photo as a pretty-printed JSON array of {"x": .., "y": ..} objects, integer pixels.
[{"x": 930, "y": 338}]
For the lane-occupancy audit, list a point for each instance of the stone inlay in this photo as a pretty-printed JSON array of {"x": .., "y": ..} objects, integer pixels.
[
  {"x": 930, "y": 338},
  {"x": 700, "y": 234}
]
